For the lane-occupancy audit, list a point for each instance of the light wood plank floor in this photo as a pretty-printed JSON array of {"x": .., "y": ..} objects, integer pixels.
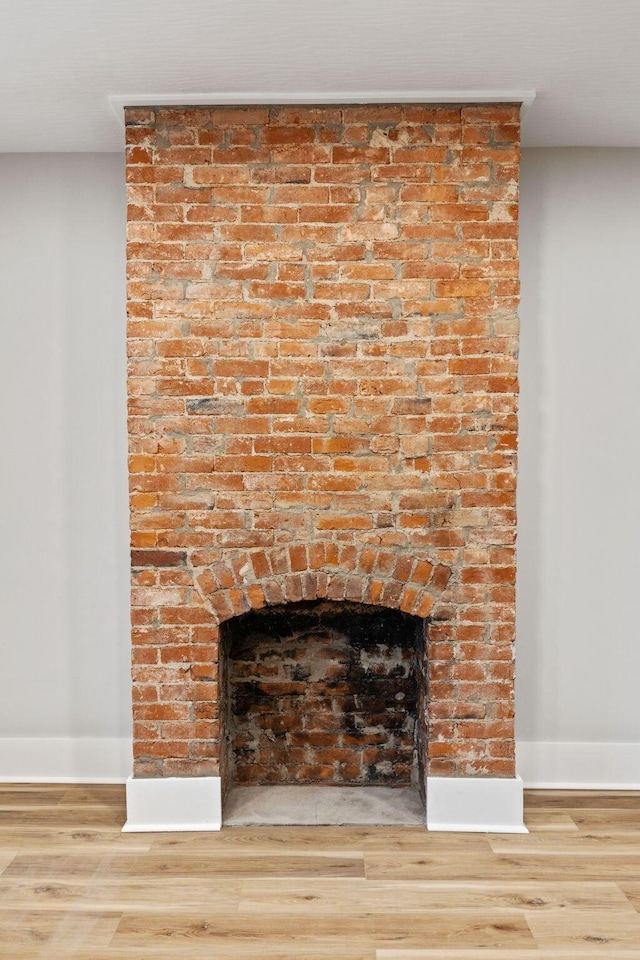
[{"x": 73, "y": 887}]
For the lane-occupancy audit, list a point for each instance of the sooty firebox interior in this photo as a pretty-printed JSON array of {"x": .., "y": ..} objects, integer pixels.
[{"x": 324, "y": 693}]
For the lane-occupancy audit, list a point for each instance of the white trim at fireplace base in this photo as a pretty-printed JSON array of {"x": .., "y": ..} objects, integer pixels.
[
  {"x": 475, "y": 804},
  {"x": 177, "y": 804}
]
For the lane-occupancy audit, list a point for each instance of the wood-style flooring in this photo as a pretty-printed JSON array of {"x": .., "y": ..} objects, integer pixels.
[{"x": 73, "y": 887}]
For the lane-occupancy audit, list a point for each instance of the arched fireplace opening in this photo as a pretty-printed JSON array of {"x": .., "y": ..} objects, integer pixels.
[{"x": 324, "y": 693}]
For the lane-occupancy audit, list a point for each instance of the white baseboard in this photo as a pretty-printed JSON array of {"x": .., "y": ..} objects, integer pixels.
[
  {"x": 173, "y": 804},
  {"x": 542, "y": 764},
  {"x": 65, "y": 759},
  {"x": 475, "y": 804},
  {"x": 579, "y": 766}
]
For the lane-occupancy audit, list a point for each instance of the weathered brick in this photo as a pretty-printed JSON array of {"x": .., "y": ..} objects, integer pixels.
[{"x": 322, "y": 387}]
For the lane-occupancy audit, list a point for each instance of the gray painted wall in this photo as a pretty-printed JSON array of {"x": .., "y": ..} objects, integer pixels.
[
  {"x": 578, "y": 653},
  {"x": 63, "y": 528},
  {"x": 63, "y": 547}
]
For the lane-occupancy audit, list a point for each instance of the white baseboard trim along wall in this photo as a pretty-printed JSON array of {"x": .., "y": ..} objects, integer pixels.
[
  {"x": 544, "y": 764},
  {"x": 65, "y": 759},
  {"x": 579, "y": 766}
]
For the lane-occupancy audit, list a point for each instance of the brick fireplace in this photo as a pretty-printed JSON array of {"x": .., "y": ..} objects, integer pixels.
[{"x": 323, "y": 343}]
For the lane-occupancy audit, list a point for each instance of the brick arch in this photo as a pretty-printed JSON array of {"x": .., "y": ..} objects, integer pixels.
[{"x": 363, "y": 573}]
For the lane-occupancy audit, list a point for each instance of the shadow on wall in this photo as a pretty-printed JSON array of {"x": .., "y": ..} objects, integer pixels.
[{"x": 533, "y": 417}]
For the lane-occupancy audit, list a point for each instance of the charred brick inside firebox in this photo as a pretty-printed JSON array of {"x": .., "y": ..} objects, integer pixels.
[{"x": 326, "y": 693}]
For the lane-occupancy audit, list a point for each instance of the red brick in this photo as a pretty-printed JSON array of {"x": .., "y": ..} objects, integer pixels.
[{"x": 316, "y": 319}]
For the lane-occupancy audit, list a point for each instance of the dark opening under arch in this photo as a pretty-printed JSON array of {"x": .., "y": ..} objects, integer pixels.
[{"x": 329, "y": 692}]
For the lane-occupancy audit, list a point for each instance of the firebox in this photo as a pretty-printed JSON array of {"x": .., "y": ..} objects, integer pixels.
[{"x": 323, "y": 693}]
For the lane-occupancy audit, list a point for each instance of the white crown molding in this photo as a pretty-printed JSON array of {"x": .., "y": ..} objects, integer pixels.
[{"x": 119, "y": 101}]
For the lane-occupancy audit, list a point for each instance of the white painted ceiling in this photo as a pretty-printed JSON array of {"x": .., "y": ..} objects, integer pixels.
[{"x": 60, "y": 60}]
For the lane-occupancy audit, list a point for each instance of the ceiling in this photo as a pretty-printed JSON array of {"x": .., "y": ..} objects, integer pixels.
[{"x": 61, "y": 61}]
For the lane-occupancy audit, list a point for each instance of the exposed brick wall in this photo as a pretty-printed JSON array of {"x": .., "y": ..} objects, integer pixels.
[
  {"x": 323, "y": 356},
  {"x": 323, "y": 693}
]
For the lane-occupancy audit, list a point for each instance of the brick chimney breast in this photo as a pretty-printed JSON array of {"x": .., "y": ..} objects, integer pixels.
[{"x": 323, "y": 339}]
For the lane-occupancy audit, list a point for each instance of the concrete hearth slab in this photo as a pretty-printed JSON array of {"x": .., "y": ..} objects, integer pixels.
[{"x": 322, "y": 806}]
